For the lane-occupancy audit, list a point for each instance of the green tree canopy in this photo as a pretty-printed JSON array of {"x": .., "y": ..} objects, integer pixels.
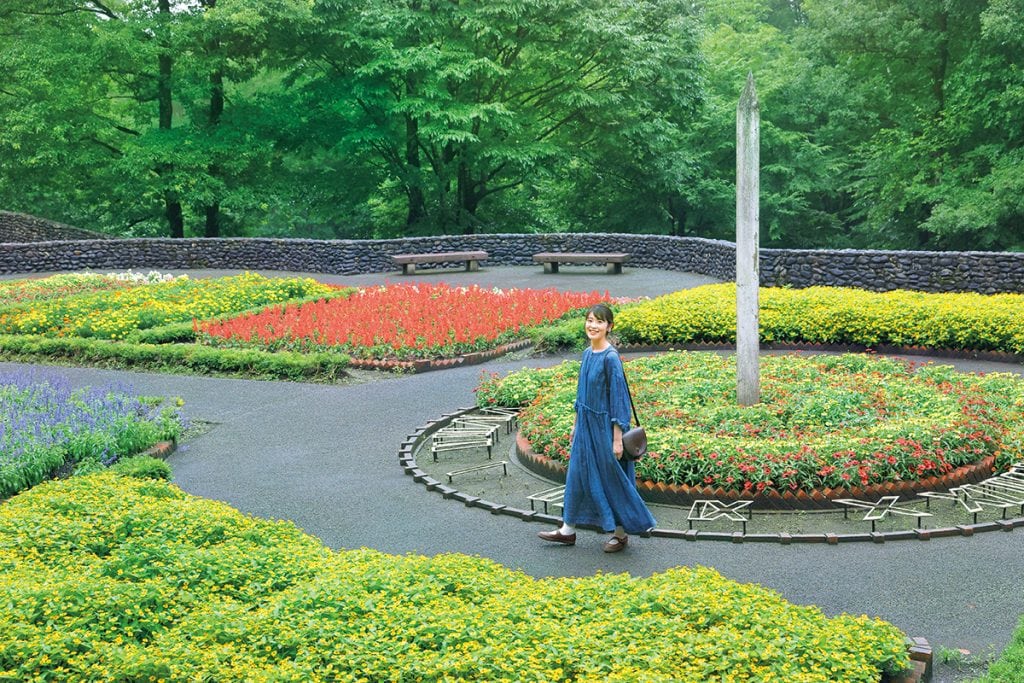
[{"x": 883, "y": 124}]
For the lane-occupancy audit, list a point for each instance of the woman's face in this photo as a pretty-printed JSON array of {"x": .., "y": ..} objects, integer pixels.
[{"x": 596, "y": 329}]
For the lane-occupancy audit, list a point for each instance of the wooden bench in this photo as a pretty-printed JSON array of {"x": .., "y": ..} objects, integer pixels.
[
  {"x": 551, "y": 260},
  {"x": 409, "y": 261}
]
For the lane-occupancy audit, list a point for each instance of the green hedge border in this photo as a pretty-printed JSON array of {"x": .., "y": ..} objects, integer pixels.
[{"x": 197, "y": 358}]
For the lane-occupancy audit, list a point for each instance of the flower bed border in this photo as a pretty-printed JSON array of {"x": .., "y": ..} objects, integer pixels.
[
  {"x": 428, "y": 364},
  {"x": 161, "y": 449},
  {"x": 681, "y": 494},
  {"x": 822, "y": 499}
]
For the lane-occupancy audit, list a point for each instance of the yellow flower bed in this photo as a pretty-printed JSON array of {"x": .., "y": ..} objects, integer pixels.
[
  {"x": 113, "y": 314},
  {"x": 107, "y": 578},
  {"x": 833, "y": 315},
  {"x": 56, "y": 286}
]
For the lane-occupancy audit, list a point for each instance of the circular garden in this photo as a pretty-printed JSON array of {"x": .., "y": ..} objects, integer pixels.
[{"x": 827, "y": 426}]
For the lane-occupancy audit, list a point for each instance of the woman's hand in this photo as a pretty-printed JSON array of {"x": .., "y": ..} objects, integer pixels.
[{"x": 617, "y": 441}]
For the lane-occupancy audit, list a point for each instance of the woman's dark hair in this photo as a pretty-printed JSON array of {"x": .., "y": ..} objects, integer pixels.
[{"x": 602, "y": 312}]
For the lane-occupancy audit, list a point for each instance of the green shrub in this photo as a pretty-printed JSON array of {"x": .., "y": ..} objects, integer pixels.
[
  {"x": 108, "y": 578},
  {"x": 1009, "y": 668},
  {"x": 832, "y": 315},
  {"x": 177, "y": 357},
  {"x": 559, "y": 335},
  {"x": 521, "y": 388},
  {"x": 173, "y": 333},
  {"x": 88, "y": 466},
  {"x": 143, "y": 467}
]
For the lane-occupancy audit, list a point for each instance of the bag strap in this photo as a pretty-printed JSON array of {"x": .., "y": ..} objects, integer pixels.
[{"x": 630, "y": 394}]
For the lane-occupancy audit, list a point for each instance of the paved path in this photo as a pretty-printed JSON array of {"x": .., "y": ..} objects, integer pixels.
[{"x": 325, "y": 457}]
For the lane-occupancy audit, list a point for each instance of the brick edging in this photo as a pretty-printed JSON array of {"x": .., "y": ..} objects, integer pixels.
[
  {"x": 161, "y": 449},
  {"x": 426, "y": 365},
  {"x": 920, "y": 663},
  {"x": 407, "y": 459}
]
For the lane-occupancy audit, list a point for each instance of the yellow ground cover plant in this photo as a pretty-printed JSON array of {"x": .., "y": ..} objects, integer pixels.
[
  {"x": 108, "y": 578},
  {"x": 838, "y": 315},
  {"x": 114, "y": 314}
]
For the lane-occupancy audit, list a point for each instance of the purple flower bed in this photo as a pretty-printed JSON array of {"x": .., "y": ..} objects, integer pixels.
[{"x": 47, "y": 427}]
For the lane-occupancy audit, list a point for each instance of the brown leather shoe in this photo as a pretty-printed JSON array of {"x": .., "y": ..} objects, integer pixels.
[
  {"x": 616, "y": 544},
  {"x": 556, "y": 537}
]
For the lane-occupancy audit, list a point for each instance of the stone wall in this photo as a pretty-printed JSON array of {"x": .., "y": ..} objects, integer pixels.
[
  {"x": 985, "y": 272},
  {"x": 20, "y": 227},
  {"x": 349, "y": 257}
]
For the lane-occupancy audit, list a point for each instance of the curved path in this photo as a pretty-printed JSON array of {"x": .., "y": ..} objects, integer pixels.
[{"x": 325, "y": 457}]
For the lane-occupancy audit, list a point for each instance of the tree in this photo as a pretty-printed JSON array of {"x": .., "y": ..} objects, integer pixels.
[
  {"x": 138, "y": 111},
  {"x": 927, "y": 163},
  {"x": 55, "y": 125},
  {"x": 460, "y": 104},
  {"x": 797, "y": 173}
]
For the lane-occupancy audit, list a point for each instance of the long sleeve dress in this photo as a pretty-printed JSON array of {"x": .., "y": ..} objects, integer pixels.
[{"x": 599, "y": 489}]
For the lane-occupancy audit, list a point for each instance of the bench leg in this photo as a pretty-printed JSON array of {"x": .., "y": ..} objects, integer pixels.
[
  {"x": 472, "y": 266},
  {"x": 614, "y": 268},
  {"x": 408, "y": 268},
  {"x": 550, "y": 267}
]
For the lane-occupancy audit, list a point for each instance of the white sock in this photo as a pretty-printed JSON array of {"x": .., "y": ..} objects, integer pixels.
[
  {"x": 620, "y": 532},
  {"x": 567, "y": 530}
]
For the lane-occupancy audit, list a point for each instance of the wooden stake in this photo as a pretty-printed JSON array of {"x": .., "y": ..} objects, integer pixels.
[{"x": 748, "y": 133}]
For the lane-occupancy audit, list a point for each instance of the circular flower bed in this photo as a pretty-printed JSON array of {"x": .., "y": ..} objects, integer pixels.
[{"x": 824, "y": 422}]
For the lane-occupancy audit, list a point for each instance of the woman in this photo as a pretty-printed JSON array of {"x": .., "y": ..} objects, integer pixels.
[{"x": 600, "y": 485}]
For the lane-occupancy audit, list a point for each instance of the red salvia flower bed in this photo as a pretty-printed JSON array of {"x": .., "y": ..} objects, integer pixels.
[{"x": 401, "y": 320}]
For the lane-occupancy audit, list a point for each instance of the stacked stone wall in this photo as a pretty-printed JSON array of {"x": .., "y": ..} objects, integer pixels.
[
  {"x": 985, "y": 272},
  {"x": 21, "y": 227}
]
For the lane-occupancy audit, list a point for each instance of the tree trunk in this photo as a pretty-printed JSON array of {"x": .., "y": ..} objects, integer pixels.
[
  {"x": 676, "y": 215},
  {"x": 414, "y": 191},
  {"x": 467, "y": 199},
  {"x": 212, "y": 220},
  {"x": 172, "y": 206},
  {"x": 173, "y": 213},
  {"x": 216, "y": 110},
  {"x": 212, "y": 227}
]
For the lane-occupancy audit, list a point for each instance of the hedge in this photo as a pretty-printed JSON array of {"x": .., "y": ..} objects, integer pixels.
[
  {"x": 194, "y": 357},
  {"x": 832, "y": 315}
]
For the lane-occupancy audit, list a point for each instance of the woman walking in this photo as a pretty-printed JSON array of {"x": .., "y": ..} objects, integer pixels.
[{"x": 600, "y": 485}]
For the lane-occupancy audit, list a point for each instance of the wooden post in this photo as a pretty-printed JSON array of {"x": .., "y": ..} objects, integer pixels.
[{"x": 748, "y": 133}]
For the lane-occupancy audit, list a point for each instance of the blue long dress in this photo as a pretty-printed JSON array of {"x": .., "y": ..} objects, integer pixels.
[{"x": 599, "y": 489}]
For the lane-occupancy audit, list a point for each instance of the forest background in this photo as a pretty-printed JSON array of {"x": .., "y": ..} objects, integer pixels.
[{"x": 884, "y": 123}]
